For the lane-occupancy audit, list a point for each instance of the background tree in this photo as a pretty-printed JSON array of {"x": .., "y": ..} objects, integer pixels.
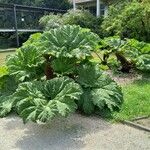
[
  {"x": 82, "y": 18},
  {"x": 129, "y": 19}
]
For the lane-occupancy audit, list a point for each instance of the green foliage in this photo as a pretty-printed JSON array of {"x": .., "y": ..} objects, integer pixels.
[
  {"x": 113, "y": 42},
  {"x": 114, "y": 46},
  {"x": 42, "y": 101},
  {"x": 69, "y": 41},
  {"x": 82, "y": 18},
  {"x": 56, "y": 77},
  {"x": 129, "y": 19},
  {"x": 139, "y": 53},
  {"x": 3, "y": 71},
  {"x": 25, "y": 63},
  {"x": 51, "y": 21},
  {"x": 63, "y": 65},
  {"x": 143, "y": 63},
  {"x": 85, "y": 104},
  {"x": 130, "y": 52},
  {"x": 8, "y": 86},
  {"x": 136, "y": 48},
  {"x": 78, "y": 17},
  {"x": 99, "y": 90},
  {"x": 33, "y": 39}
]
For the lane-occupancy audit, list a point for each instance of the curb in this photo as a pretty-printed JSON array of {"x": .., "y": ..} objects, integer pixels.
[
  {"x": 7, "y": 50},
  {"x": 137, "y": 126}
]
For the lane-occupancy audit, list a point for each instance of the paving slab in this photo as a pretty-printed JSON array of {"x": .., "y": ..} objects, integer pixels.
[{"x": 77, "y": 132}]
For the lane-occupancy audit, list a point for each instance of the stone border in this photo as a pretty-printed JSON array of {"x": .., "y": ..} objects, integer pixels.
[
  {"x": 139, "y": 118},
  {"x": 135, "y": 125},
  {"x": 7, "y": 50}
]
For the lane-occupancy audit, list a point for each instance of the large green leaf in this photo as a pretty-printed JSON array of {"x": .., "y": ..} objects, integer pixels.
[
  {"x": 102, "y": 90},
  {"x": 6, "y": 105},
  {"x": 86, "y": 104},
  {"x": 88, "y": 75},
  {"x": 140, "y": 53},
  {"x": 113, "y": 43},
  {"x": 64, "y": 65},
  {"x": 134, "y": 48},
  {"x": 135, "y": 52},
  {"x": 69, "y": 41},
  {"x": 25, "y": 63},
  {"x": 33, "y": 39},
  {"x": 143, "y": 62},
  {"x": 41, "y": 101},
  {"x": 3, "y": 71},
  {"x": 109, "y": 94},
  {"x": 8, "y": 86}
]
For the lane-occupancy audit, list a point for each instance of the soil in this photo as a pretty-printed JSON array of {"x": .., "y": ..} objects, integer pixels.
[{"x": 124, "y": 78}]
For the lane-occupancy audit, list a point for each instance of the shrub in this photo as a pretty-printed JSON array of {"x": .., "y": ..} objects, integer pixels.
[
  {"x": 51, "y": 21},
  {"x": 129, "y": 20},
  {"x": 79, "y": 17}
]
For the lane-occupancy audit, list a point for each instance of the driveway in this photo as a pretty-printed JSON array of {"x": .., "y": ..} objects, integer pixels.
[{"x": 77, "y": 132}]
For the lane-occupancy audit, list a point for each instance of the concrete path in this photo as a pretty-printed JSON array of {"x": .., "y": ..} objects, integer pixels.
[{"x": 74, "y": 133}]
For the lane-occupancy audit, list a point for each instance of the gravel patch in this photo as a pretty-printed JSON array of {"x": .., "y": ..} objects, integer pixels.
[
  {"x": 77, "y": 132},
  {"x": 124, "y": 78}
]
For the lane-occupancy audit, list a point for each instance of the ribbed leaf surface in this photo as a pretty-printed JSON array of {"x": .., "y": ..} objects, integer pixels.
[
  {"x": 69, "y": 41},
  {"x": 143, "y": 62},
  {"x": 7, "y": 87},
  {"x": 25, "y": 63},
  {"x": 102, "y": 90},
  {"x": 63, "y": 65},
  {"x": 43, "y": 101}
]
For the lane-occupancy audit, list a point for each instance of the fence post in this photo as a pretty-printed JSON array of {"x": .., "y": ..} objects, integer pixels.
[{"x": 16, "y": 26}]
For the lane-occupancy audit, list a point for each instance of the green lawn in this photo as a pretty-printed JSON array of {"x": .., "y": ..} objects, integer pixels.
[
  {"x": 136, "y": 100},
  {"x": 3, "y": 56}
]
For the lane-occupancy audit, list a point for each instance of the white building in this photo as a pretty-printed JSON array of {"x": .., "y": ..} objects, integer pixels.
[{"x": 96, "y": 7}]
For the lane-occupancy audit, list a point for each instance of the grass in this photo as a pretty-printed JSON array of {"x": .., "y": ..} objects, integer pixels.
[
  {"x": 3, "y": 56},
  {"x": 136, "y": 100}
]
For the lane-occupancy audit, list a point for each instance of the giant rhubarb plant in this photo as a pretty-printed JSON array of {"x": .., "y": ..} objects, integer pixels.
[
  {"x": 100, "y": 91},
  {"x": 51, "y": 75},
  {"x": 131, "y": 53}
]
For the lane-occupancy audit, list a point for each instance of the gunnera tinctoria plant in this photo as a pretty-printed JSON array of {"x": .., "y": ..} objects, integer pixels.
[{"x": 52, "y": 75}]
